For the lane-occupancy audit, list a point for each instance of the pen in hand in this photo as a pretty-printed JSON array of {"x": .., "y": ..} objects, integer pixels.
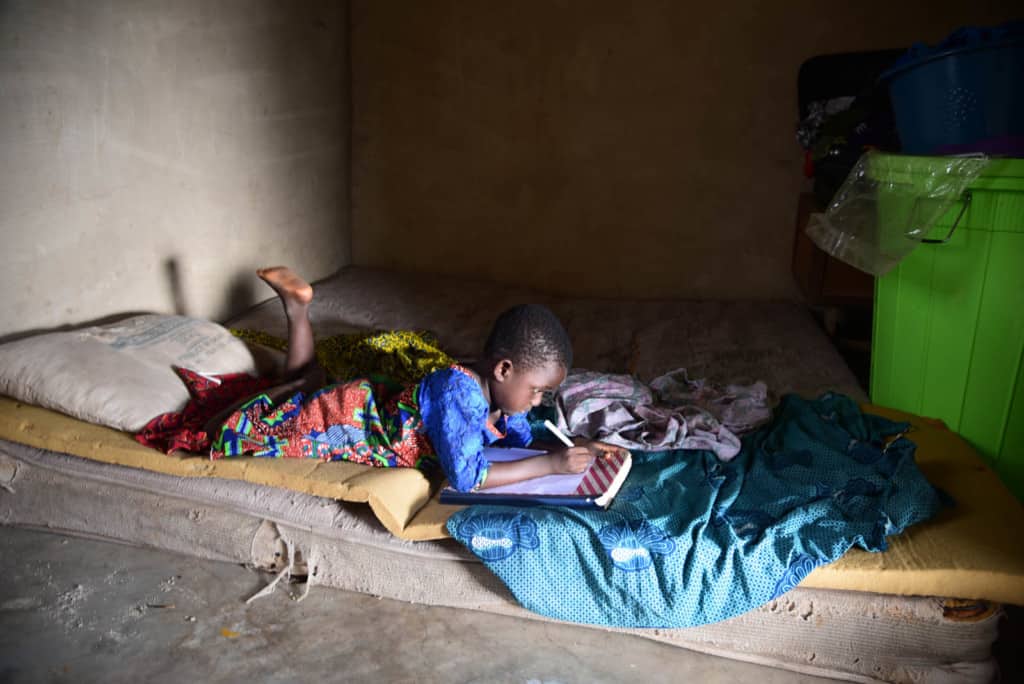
[{"x": 553, "y": 429}]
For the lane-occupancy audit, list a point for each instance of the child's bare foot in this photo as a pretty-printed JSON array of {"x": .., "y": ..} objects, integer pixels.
[
  {"x": 287, "y": 284},
  {"x": 295, "y": 294}
]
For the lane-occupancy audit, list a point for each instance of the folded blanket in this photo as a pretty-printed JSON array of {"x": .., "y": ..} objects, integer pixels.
[{"x": 691, "y": 540}]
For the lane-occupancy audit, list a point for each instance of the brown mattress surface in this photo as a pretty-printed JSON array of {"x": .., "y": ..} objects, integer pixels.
[{"x": 777, "y": 342}]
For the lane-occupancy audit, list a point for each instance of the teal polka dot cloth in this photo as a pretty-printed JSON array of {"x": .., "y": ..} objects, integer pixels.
[{"x": 691, "y": 540}]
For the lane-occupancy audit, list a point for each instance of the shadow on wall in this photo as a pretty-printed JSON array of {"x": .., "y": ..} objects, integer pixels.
[
  {"x": 173, "y": 272},
  {"x": 239, "y": 295}
]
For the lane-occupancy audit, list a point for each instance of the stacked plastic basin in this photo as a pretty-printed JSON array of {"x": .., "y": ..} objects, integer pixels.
[
  {"x": 949, "y": 319},
  {"x": 964, "y": 95}
]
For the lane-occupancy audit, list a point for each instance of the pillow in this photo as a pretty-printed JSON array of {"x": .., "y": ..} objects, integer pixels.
[{"x": 119, "y": 375}]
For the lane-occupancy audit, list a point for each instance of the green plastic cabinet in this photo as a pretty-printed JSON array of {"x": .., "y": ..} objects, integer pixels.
[{"x": 948, "y": 335}]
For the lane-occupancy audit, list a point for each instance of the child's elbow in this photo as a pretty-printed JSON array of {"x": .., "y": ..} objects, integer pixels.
[{"x": 467, "y": 480}]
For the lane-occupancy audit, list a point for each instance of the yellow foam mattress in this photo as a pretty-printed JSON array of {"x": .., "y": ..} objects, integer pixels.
[{"x": 971, "y": 551}]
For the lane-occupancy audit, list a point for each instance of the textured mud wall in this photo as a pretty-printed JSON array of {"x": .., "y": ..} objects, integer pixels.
[
  {"x": 155, "y": 152},
  {"x": 597, "y": 146}
]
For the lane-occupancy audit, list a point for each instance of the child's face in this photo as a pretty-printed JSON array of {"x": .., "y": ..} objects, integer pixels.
[{"x": 518, "y": 390}]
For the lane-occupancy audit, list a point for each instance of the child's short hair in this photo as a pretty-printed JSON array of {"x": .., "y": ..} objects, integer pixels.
[{"x": 531, "y": 336}]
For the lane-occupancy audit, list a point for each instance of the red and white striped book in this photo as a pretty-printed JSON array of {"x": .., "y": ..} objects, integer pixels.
[{"x": 604, "y": 477}]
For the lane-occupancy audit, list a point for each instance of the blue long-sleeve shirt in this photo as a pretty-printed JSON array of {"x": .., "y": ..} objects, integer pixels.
[{"x": 454, "y": 413}]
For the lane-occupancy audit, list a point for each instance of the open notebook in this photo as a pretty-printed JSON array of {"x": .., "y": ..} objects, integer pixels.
[{"x": 593, "y": 488}]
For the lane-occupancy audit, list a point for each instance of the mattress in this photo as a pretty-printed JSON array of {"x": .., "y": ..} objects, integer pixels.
[
  {"x": 969, "y": 551},
  {"x": 856, "y": 636},
  {"x": 822, "y": 627},
  {"x": 740, "y": 341}
]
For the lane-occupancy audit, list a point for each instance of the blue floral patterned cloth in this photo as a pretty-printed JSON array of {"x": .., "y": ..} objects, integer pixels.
[{"x": 691, "y": 540}]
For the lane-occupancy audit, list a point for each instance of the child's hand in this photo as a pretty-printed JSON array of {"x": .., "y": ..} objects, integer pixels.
[
  {"x": 599, "y": 449},
  {"x": 572, "y": 460}
]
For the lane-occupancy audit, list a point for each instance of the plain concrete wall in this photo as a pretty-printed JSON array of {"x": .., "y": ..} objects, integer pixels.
[
  {"x": 147, "y": 143},
  {"x": 598, "y": 147}
]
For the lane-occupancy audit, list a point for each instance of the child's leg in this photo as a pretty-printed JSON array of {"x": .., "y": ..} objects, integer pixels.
[
  {"x": 301, "y": 372},
  {"x": 296, "y": 295}
]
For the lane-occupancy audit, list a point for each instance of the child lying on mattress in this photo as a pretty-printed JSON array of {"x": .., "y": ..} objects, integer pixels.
[{"x": 447, "y": 418}]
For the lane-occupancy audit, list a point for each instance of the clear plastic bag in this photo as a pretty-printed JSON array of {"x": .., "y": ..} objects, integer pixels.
[{"x": 888, "y": 204}]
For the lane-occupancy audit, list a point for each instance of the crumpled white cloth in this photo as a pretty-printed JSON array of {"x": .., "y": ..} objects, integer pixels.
[
  {"x": 673, "y": 413},
  {"x": 740, "y": 408}
]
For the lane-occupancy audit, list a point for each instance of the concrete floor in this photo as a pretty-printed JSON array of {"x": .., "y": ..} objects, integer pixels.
[{"x": 74, "y": 610}]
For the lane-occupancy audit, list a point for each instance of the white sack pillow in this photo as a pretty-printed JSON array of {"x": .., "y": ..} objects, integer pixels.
[{"x": 119, "y": 375}]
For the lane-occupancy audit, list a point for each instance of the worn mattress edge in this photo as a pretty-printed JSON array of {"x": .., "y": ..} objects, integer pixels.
[{"x": 849, "y": 635}]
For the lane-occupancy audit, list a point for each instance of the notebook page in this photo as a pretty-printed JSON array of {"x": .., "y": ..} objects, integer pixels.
[{"x": 549, "y": 484}]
